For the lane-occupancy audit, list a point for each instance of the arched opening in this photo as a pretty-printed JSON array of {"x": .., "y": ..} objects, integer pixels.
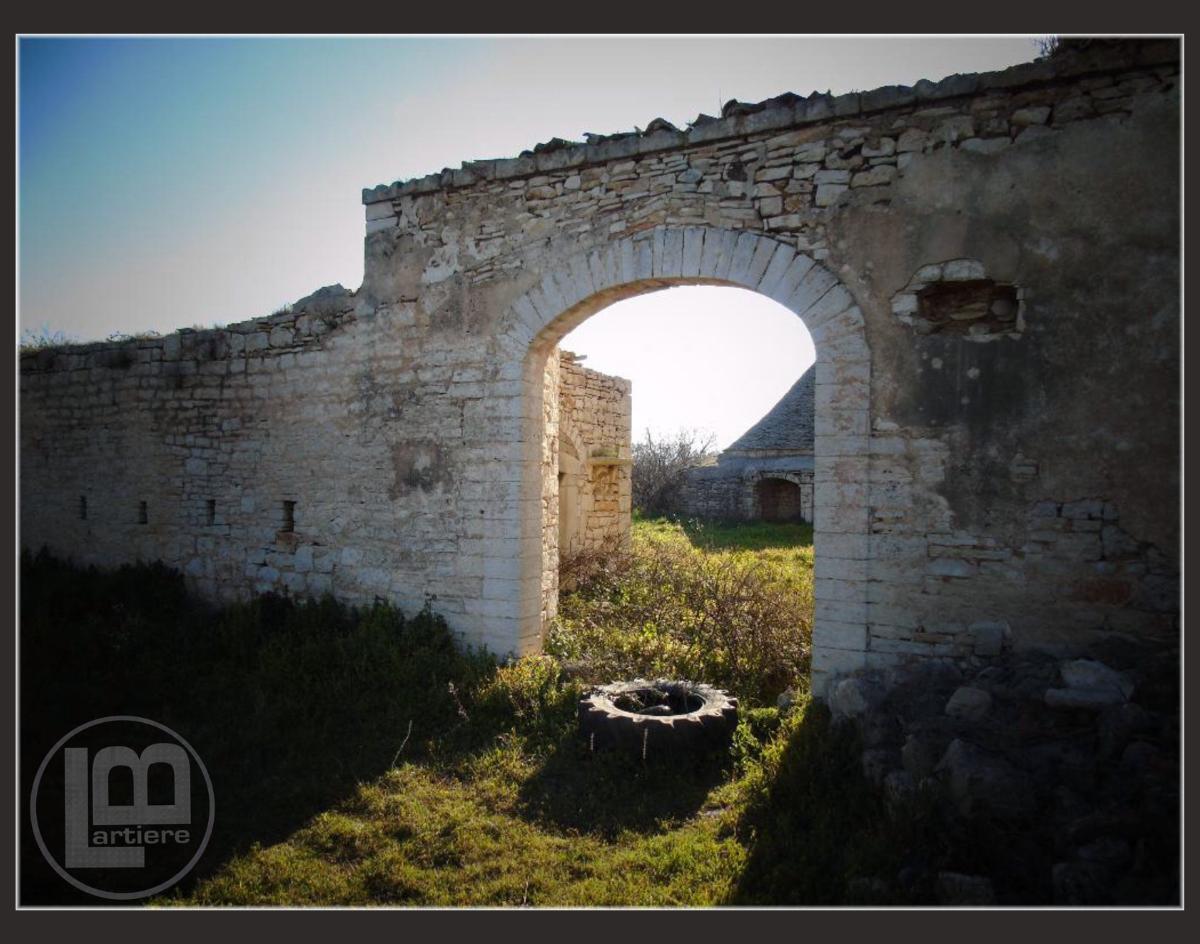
[
  {"x": 586, "y": 282},
  {"x": 779, "y": 500}
]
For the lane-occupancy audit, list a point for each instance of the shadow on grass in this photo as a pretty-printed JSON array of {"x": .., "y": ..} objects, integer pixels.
[
  {"x": 812, "y": 823},
  {"x": 605, "y": 793},
  {"x": 289, "y": 705}
]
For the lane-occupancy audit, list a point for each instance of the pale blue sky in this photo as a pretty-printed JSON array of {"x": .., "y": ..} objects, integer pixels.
[{"x": 171, "y": 182}]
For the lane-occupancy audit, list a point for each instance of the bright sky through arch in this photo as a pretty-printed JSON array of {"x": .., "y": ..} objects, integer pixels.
[
  {"x": 708, "y": 358},
  {"x": 165, "y": 183}
]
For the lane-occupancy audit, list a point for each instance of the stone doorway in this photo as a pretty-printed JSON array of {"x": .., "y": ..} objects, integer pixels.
[
  {"x": 661, "y": 258},
  {"x": 779, "y": 500}
]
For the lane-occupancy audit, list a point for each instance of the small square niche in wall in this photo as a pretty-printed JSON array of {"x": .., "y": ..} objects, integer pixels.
[{"x": 289, "y": 517}]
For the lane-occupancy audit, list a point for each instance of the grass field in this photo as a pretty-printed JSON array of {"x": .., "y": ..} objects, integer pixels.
[{"x": 326, "y": 795}]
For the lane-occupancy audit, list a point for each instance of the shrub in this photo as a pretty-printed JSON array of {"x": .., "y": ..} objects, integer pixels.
[
  {"x": 527, "y": 696},
  {"x": 660, "y": 466},
  {"x": 582, "y": 565},
  {"x": 41, "y": 338},
  {"x": 242, "y": 674},
  {"x": 735, "y": 619}
]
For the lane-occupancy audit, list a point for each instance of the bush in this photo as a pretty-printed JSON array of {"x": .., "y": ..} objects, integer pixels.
[
  {"x": 43, "y": 337},
  {"x": 660, "y": 467},
  {"x": 739, "y": 620},
  {"x": 527, "y": 696}
]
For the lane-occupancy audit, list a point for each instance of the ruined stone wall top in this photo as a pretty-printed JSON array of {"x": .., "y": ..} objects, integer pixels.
[
  {"x": 784, "y": 111},
  {"x": 788, "y": 168},
  {"x": 297, "y": 327}
]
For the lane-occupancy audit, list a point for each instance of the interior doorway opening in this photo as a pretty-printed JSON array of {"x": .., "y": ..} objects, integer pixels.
[
  {"x": 718, "y": 362},
  {"x": 779, "y": 500}
]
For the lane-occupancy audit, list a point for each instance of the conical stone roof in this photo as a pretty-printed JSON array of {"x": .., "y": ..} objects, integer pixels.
[{"x": 787, "y": 427}]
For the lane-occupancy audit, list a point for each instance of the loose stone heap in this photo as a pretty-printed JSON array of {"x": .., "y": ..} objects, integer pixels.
[{"x": 1062, "y": 776}]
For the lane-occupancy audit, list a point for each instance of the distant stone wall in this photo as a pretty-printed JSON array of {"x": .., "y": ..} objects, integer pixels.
[
  {"x": 596, "y": 425},
  {"x": 729, "y": 489}
]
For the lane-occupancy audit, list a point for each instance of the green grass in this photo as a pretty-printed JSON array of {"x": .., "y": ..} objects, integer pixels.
[
  {"x": 794, "y": 540},
  {"x": 299, "y": 710},
  {"x": 422, "y": 836},
  {"x": 783, "y": 820}
]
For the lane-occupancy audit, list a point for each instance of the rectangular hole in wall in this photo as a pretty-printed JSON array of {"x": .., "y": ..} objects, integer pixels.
[
  {"x": 83, "y": 508},
  {"x": 210, "y": 511},
  {"x": 143, "y": 513},
  {"x": 289, "y": 517}
]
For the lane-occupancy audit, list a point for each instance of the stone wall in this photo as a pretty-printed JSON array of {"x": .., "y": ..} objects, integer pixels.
[
  {"x": 586, "y": 459},
  {"x": 1039, "y": 205},
  {"x": 729, "y": 490},
  {"x": 185, "y": 448},
  {"x": 595, "y": 428}
]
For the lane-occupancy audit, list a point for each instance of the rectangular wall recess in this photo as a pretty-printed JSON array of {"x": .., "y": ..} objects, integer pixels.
[
  {"x": 289, "y": 517},
  {"x": 143, "y": 513}
]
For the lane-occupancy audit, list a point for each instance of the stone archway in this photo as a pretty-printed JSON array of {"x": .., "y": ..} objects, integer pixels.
[
  {"x": 758, "y": 480},
  {"x": 779, "y": 500},
  {"x": 668, "y": 256}
]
